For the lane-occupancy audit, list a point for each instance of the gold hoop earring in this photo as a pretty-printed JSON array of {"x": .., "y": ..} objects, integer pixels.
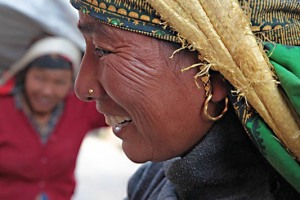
[
  {"x": 206, "y": 109},
  {"x": 91, "y": 91},
  {"x": 205, "y": 79}
]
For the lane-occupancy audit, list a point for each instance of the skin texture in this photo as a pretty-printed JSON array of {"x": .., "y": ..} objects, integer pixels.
[
  {"x": 45, "y": 88},
  {"x": 133, "y": 76}
]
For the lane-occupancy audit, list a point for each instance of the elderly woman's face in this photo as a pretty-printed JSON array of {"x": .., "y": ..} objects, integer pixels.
[{"x": 152, "y": 106}]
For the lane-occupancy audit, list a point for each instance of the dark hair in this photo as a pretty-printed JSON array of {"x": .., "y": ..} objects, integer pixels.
[{"x": 52, "y": 61}]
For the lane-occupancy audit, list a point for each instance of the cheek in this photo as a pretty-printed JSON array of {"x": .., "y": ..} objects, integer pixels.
[
  {"x": 179, "y": 122},
  {"x": 177, "y": 109},
  {"x": 128, "y": 79},
  {"x": 165, "y": 105},
  {"x": 157, "y": 91},
  {"x": 31, "y": 85},
  {"x": 171, "y": 121}
]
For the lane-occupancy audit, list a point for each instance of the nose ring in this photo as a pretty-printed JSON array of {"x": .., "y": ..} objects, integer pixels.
[{"x": 91, "y": 91}]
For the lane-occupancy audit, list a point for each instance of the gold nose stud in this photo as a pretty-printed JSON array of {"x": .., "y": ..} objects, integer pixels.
[{"x": 91, "y": 91}]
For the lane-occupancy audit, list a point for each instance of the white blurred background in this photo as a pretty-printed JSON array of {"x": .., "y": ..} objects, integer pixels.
[{"x": 102, "y": 168}]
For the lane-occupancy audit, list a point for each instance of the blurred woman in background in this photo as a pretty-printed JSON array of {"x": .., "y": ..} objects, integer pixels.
[{"x": 42, "y": 124}]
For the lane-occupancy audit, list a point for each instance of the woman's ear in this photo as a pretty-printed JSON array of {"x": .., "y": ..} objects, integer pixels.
[{"x": 219, "y": 89}]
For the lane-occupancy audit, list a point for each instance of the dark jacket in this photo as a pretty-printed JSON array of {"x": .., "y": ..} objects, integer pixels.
[{"x": 224, "y": 165}]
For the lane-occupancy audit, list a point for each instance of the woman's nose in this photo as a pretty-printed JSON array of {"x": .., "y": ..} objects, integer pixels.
[
  {"x": 48, "y": 89},
  {"x": 84, "y": 80},
  {"x": 88, "y": 84}
]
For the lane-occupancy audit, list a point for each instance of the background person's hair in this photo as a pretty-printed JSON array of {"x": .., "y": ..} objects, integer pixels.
[{"x": 51, "y": 61}]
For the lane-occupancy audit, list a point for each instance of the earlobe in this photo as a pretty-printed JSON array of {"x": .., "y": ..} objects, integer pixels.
[
  {"x": 215, "y": 92},
  {"x": 219, "y": 88}
]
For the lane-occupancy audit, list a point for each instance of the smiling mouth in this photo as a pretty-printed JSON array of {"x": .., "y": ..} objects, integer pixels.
[{"x": 117, "y": 122}]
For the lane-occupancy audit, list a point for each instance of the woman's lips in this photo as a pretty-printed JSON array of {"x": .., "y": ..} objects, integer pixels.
[{"x": 117, "y": 122}]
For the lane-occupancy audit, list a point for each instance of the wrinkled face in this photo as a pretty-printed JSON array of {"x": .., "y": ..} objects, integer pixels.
[
  {"x": 154, "y": 107},
  {"x": 45, "y": 88}
]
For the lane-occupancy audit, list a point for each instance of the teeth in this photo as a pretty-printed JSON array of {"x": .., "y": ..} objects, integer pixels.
[{"x": 115, "y": 120}]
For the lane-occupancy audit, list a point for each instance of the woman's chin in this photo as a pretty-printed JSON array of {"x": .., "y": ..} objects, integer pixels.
[{"x": 135, "y": 155}]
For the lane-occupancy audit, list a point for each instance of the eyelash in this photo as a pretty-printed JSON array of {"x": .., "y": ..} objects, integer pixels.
[{"x": 101, "y": 52}]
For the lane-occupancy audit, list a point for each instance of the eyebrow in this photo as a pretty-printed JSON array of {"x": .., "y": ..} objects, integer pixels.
[{"x": 87, "y": 28}]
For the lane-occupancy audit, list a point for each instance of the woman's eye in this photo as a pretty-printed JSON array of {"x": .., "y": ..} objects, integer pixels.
[{"x": 101, "y": 52}]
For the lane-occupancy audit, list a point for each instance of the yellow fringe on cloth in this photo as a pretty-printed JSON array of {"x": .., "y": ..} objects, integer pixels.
[{"x": 220, "y": 31}]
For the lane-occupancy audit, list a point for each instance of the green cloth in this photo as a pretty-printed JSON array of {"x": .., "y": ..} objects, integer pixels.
[
  {"x": 286, "y": 62},
  {"x": 274, "y": 152}
]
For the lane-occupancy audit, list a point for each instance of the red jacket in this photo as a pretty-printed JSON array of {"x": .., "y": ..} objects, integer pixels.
[{"x": 28, "y": 167}]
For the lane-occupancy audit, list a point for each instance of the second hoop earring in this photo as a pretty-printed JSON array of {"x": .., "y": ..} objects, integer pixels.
[{"x": 205, "y": 109}]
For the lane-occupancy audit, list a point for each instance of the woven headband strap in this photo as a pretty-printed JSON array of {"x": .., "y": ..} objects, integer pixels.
[{"x": 132, "y": 15}]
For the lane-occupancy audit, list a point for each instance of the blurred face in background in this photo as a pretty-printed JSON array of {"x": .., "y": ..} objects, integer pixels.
[{"x": 45, "y": 88}]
